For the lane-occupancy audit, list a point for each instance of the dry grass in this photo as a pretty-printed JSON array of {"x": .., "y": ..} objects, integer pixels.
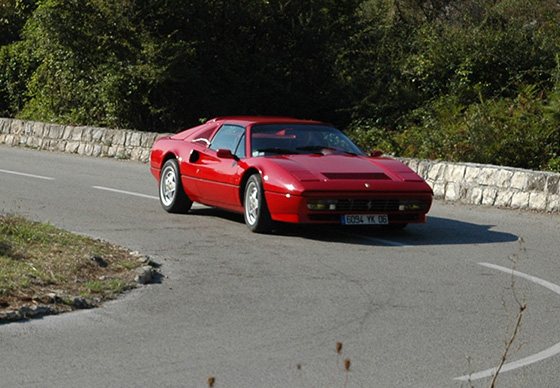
[{"x": 43, "y": 265}]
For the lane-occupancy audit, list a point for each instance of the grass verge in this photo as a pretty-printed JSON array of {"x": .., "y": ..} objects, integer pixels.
[{"x": 45, "y": 270}]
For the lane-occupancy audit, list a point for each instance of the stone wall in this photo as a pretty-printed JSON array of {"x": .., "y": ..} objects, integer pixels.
[
  {"x": 463, "y": 182},
  {"x": 489, "y": 185},
  {"x": 89, "y": 141}
]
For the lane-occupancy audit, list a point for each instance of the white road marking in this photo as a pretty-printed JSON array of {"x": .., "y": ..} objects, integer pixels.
[
  {"x": 125, "y": 192},
  {"x": 544, "y": 283},
  {"x": 27, "y": 175},
  {"x": 552, "y": 351},
  {"x": 195, "y": 205}
]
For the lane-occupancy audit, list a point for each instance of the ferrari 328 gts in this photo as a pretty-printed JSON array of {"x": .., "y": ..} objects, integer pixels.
[{"x": 277, "y": 169}]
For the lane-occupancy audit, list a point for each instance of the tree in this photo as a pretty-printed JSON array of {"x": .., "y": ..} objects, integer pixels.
[{"x": 165, "y": 64}]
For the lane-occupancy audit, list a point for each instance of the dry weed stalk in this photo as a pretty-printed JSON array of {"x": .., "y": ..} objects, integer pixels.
[
  {"x": 347, "y": 369},
  {"x": 338, "y": 347},
  {"x": 346, "y": 363},
  {"x": 522, "y": 307}
]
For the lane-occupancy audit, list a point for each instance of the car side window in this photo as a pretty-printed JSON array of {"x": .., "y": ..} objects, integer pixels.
[{"x": 230, "y": 137}]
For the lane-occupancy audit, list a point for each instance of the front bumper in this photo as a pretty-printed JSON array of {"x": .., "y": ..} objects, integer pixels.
[{"x": 328, "y": 208}]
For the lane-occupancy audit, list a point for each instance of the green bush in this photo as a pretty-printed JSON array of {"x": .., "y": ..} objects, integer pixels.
[
  {"x": 553, "y": 164},
  {"x": 517, "y": 132},
  {"x": 369, "y": 136},
  {"x": 466, "y": 81},
  {"x": 17, "y": 63}
]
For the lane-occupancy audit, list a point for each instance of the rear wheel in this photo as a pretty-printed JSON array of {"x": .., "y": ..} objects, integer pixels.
[
  {"x": 171, "y": 194},
  {"x": 257, "y": 216}
]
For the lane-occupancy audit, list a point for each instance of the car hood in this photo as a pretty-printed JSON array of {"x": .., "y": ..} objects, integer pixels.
[
  {"x": 347, "y": 167},
  {"x": 349, "y": 172}
]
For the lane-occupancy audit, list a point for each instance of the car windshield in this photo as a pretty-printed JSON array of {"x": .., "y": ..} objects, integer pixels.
[{"x": 278, "y": 139}]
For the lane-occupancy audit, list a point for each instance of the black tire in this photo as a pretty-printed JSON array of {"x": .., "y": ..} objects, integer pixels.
[
  {"x": 257, "y": 216},
  {"x": 171, "y": 194}
]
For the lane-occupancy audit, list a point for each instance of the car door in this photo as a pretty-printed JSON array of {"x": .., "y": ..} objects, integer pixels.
[
  {"x": 218, "y": 178},
  {"x": 194, "y": 144}
]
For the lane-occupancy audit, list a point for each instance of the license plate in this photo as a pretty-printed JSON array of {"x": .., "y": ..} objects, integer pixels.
[{"x": 365, "y": 219}]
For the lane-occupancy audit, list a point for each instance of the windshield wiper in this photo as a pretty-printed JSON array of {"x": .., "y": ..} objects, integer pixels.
[
  {"x": 348, "y": 152},
  {"x": 280, "y": 151},
  {"x": 319, "y": 150}
]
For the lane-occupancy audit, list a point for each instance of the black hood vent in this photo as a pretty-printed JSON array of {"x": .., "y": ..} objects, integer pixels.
[{"x": 356, "y": 175}]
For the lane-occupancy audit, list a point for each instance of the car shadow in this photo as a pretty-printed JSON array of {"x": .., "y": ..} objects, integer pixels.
[{"x": 436, "y": 231}]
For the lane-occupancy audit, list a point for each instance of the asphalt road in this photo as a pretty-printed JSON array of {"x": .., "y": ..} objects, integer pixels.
[{"x": 418, "y": 308}]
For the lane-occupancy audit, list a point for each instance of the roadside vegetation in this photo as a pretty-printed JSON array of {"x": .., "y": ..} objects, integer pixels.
[
  {"x": 41, "y": 265},
  {"x": 474, "y": 81}
]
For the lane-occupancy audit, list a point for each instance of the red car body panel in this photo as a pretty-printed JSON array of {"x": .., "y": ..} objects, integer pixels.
[{"x": 359, "y": 184}]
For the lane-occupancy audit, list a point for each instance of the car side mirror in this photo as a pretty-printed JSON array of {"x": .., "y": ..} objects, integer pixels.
[
  {"x": 226, "y": 154},
  {"x": 375, "y": 153}
]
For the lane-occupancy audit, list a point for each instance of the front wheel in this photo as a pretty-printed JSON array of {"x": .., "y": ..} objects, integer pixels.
[
  {"x": 171, "y": 194},
  {"x": 257, "y": 216}
]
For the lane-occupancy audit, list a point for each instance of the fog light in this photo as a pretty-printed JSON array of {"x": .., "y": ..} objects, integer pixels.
[
  {"x": 411, "y": 206},
  {"x": 322, "y": 204}
]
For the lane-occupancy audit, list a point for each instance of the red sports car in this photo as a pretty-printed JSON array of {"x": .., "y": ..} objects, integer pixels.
[{"x": 277, "y": 169}]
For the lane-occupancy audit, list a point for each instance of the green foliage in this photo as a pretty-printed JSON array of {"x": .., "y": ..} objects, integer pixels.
[
  {"x": 465, "y": 81},
  {"x": 471, "y": 80},
  {"x": 554, "y": 164},
  {"x": 15, "y": 60},
  {"x": 164, "y": 65},
  {"x": 488, "y": 53},
  {"x": 115, "y": 286},
  {"x": 13, "y": 15},
  {"x": 517, "y": 132},
  {"x": 369, "y": 136},
  {"x": 369, "y": 64},
  {"x": 17, "y": 63},
  {"x": 94, "y": 68}
]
